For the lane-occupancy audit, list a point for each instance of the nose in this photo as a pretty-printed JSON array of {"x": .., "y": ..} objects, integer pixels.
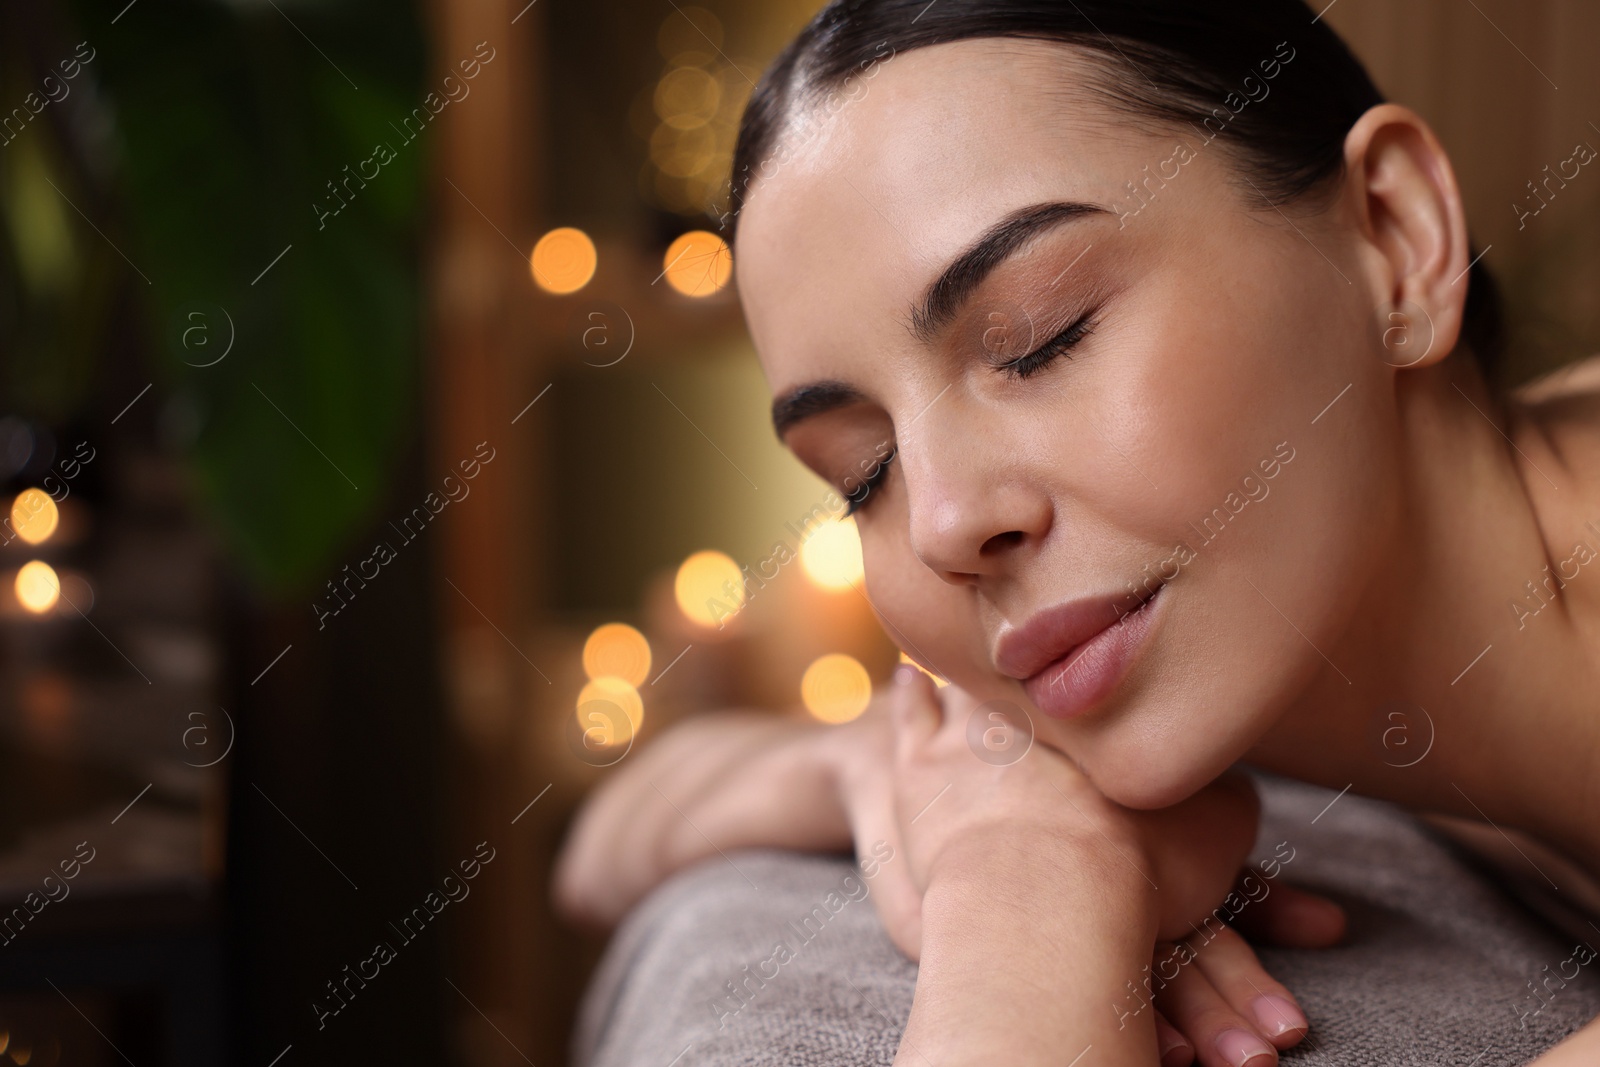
[{"x": 973, "y": 507}]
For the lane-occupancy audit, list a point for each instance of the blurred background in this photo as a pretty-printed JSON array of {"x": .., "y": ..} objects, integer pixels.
[{"x": 382, "y": 455}]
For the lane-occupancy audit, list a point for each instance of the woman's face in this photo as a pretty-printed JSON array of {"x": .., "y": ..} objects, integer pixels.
[{"x": 1177, "y": 456}]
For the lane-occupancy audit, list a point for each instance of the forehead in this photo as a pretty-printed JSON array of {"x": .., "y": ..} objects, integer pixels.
[{"x": 863, "y": 200}]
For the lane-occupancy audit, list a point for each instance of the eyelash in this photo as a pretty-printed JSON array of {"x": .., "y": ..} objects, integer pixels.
[
  {"x": 1022, "y": 367},
  {"x": 1062, "y": 343},
  {"x": 858, "y": 499}
]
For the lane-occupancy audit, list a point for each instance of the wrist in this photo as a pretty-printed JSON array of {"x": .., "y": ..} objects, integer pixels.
[
  {"x": 1036, "y": 868},
  {"x": 1026, "y": 953}
]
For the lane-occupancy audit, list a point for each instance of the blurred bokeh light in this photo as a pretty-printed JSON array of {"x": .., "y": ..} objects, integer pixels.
[
  {"x": 595, "y": 704},
  {"x": 34, "y": 516},
  {"x": 37, "y": 586},
  {"x": 836, "y": 688},
  {"x": 831, "y": 556},
  {"x": 564, "y": 260},
  {"x": 619, "y": 651},
  {"x": 709, "y": 588},
  {"x": 698, "y": 263}
]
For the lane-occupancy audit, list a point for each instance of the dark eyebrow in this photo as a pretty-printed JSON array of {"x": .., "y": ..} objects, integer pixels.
[
  {"x": 941, "y": 300},
  {"x": 967, "y": 271},
  {"x": 804, "y": 401}
]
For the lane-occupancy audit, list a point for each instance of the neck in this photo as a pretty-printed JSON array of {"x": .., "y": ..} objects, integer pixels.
[{"x": 1470, "y": 692}]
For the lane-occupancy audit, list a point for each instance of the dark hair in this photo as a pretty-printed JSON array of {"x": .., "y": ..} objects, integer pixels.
[{"x": 1174, "y": 62}]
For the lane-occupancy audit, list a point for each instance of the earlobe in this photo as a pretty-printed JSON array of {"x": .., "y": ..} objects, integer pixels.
[{"x": 1410, "y": 213}]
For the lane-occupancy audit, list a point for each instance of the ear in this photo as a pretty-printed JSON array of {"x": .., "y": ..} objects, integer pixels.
[{"x": 1413, "y": 230}]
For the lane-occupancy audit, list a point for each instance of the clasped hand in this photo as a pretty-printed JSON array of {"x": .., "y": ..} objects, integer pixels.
[{"x": 1017, "y": 830}]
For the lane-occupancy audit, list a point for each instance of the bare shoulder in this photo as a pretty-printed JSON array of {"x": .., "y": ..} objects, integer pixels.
[
  {"x": 1527, "y": 865},
  {"x": 1575, "y": 379},
  {"x": 1557, "y": 422},
  {"x": 1574, "y": 385}
]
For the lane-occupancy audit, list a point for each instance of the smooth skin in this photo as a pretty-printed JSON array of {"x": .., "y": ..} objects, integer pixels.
[{"x": 1390, "y": 550}]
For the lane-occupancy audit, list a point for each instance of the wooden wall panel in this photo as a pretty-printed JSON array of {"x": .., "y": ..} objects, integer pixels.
[{"x": 1510, "y": 86}]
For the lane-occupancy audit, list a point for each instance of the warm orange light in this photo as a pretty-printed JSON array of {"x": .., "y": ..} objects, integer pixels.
[
  {"x": 709, "y": 588},
  {"x": 34, "y": 516},
  {"x": 938, "y": 681},
  {"x": 596, "y": 715},
  {"x": 698, "y": 263},
  {"x": 836, "y": 688},
  {"x": 618, "y": 650},
  {"x": 831, "y": 555},
  {"x": 687, "y": 97},
  {"x": 563, "y": 261},
  {"x": 37, "y": 586},
  {"x": 682, "y": 153}
]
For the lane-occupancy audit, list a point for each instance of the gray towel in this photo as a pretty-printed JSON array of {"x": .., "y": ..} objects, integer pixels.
[{"x": 1439, "y": 967}]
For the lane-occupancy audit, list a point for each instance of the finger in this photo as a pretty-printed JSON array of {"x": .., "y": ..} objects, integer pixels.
[
  {"x": 955, "y": 706},
  {"x": 899, "y": 905},
  {"x": 1172, "y": 1048},
  {"x": 895, "y": 896},
  {"x": 915, "y": 710},
  {"x": 1293, "y": 918},
  {"x": 1220, "y": 1035},
  {"x": 1234, "y": 972}
]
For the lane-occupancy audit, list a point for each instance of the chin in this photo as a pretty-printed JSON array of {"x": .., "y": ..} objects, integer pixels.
[
  {"x": 1221, "y": 673},
  {"x": 1143, "y": 784},
  {"x": 1153, "y": 755}
]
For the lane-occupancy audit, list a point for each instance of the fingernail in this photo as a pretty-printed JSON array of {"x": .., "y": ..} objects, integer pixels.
[
  {"x": 1277, "y": 1015},
  {"x": 1172, "y": 1046},
  {"x": 1241, "y": 1047},
  {"x": 1178, "y": 1055}
]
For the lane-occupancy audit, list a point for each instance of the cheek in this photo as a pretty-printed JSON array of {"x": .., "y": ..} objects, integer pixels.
[
  {"x": 1258, "y": 616},
  {"x": 1225, "y": 361},
  {"x": 928, "y": 618},
  {"x": 1254, "y": 388},
  {"x": 1227, "y": 377}
]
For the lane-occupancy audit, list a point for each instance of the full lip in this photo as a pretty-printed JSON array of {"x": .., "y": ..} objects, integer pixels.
[{"x": 1057, "y": 632}]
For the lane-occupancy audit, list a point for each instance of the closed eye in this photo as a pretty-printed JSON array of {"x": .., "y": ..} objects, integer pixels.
[
  {"x": 1059, "y": 345},
  {"x": 859, "y": 495},
  {"x": 1021, "y": 367}
]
